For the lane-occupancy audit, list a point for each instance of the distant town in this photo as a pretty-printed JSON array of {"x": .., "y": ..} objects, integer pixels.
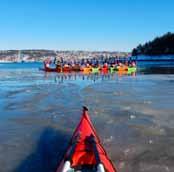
[{"x": 7, "y": 56}]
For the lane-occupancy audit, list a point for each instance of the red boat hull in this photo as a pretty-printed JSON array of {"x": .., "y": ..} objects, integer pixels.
[
  {"x": 64, "y": 69},
  {"x": 52, "y": 70}
]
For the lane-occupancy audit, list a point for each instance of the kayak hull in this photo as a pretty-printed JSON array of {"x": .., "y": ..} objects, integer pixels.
[
  {"x": 66, "y": 69},
  {"x": 86, "y": 70},
  {"x": 95, "y": 70},
  {"x": 132, "y": 69},
  {"x": 122, "y": 68},
  {"x": 58, "y": 70},
  {"x": 46, "y": 69},
  {"x": 104, "y": 70}
]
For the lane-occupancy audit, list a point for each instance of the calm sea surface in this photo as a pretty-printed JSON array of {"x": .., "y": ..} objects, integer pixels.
[{"x": 133, "y": 115}]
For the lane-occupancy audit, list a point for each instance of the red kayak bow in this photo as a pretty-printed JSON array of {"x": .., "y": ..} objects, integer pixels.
[{"x": 85, "y": 150}]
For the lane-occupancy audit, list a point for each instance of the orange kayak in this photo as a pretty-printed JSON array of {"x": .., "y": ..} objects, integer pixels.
[
  {"x": 86, "y": 70},
  {"x": 85, "y": 151},
  {"x": 122, "y": 68}
]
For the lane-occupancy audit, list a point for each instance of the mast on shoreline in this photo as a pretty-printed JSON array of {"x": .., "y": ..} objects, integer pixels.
[{"x": 19, "y": 56}]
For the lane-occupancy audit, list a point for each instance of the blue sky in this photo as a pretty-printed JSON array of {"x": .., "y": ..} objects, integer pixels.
[{"x": 83, "y": 24}]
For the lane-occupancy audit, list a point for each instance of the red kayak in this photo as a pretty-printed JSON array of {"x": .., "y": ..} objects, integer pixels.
[
  {"x": 67, "y": 69},
  {"x": 104, "y": 70},
  {"x": 85, "y": 152},
  {"x": 59, "y": 69},
  {"x": 47, "y": 69}
]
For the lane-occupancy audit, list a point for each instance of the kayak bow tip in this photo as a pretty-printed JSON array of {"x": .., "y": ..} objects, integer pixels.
[{"x": 85, "y": 109}]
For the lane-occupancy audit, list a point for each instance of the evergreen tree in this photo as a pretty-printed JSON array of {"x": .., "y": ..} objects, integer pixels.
[{"x": 163, "y": 45}]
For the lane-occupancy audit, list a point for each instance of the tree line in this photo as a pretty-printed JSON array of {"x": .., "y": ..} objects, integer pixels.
[{"x": 163, "y": 45}]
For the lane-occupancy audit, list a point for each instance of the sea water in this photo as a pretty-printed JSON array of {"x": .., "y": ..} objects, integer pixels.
[{"x": 133, "y": 115}]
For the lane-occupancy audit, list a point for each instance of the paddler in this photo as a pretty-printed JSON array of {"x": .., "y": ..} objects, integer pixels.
[
  {"x": 47, "y": 62},
  {"x": 133, "y": 64},
  {"x": 57, "y": 62}
]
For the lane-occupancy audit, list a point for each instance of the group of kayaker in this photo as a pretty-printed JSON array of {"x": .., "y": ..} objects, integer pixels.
[{"x": 89, "y": 65}]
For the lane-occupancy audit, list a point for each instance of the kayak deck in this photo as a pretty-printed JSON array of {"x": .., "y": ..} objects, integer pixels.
[
  {"x": 86, "y": 170},
  {"x": 85, "y": 152},
  {"x": 82, "y": 170}
]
